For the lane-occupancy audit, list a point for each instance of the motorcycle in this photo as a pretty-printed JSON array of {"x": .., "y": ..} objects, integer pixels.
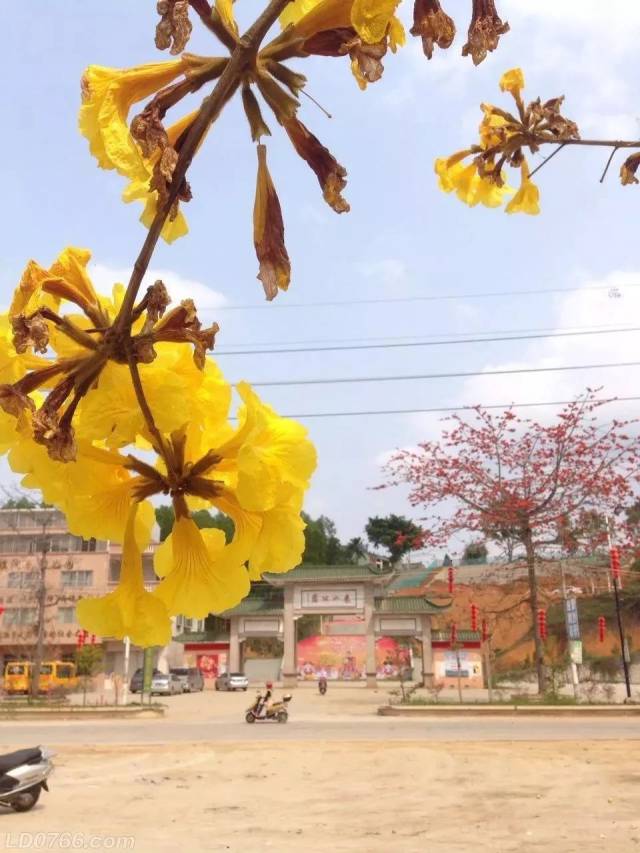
[
  {"x": 23, "y": 775},
  {"x": 260, "y": 711},
  {"x": 322, "y": 686}
]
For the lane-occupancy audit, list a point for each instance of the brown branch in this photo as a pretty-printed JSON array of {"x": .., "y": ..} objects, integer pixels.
[
  {"x": 214, "y": 23},
  {"x": 546, "y": 159},
  {"x": 606, "y": 168},
  {"x": 144, "y": 406},
  {"x": 242, "y": 57}
]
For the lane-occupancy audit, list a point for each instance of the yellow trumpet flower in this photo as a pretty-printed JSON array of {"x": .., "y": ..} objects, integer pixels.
[{"x": 129, "y": 611}]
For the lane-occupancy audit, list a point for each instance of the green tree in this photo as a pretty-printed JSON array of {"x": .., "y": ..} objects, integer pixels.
[
  {"x": 89, "y": 661},
  {"x": 19, "y": 503},
  {"x": 165, "y": 518},
  {"x": 322, "y": 545},
  {"x": 355, "y": 550},
  {"x": 395, "y": 533},
  {"x": 475, "y": 552}
]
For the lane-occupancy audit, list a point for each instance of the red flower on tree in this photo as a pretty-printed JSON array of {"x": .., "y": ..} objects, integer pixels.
[{"x": 528, "y": 484}]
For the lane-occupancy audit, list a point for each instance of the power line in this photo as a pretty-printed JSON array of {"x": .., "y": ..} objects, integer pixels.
[
  {"x": 393, "y": 338},
  {"x": 443, "y": 409},
  {"x": 432, "y": 343},
  {"x": 442, "y": 297},
  {"x": 453, "y": 375}
]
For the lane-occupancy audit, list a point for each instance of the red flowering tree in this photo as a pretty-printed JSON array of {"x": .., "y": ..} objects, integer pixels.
[{"x": 502, "y": 473}]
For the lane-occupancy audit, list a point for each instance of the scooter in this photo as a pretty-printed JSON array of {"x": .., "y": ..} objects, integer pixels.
[
  {"x": 275, "y": 713},
  {"x": 23, "y": 775},
  {"x": 322, "y": 686}
]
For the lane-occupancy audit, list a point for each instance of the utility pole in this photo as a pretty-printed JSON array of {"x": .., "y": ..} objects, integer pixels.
[
  {"x": 125, "y": 681},
  {"x": 41, "y": 604},
  {"x": 573, "y": 665},
  {"x": 616, "y": 592}
]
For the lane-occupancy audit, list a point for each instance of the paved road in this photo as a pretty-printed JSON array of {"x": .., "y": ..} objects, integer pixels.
[{"x": 18, "y": 735}]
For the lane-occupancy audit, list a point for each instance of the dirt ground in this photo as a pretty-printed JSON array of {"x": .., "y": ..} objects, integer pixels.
[{"x": 367, "y": 797}]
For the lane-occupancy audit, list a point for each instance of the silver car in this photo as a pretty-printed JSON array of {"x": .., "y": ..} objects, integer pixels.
[
  {"x": 190, "y": 678},
  {"x": 232, "y": 681},
  {"x": 165, "y": 684}
]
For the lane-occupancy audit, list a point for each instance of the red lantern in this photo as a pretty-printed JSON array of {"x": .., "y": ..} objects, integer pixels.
[
  {"x": 474, "y": 617},
  {"x": 450, "y": 579},
  {"x": 454, "y": 634},
  {"x": 1, "y": 609},
  {"x": 602, "y": 628},
  {"x": 485, "y": 631},
  {"x": 615, "y": 562},
  {"x": 542, "y": 624}
]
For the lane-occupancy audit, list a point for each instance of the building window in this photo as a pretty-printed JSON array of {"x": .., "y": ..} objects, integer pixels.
[
  {"x": 76, "y": 578},
  {"x": 19, "y": 616},
  {"x": 22, "y": 580},
  {"x": 88, "y": 544},
  {"x": 67, "y": 615}
]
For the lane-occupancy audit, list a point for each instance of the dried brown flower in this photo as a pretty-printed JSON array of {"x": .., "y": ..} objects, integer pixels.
[
  {"x": 158, "y": 300},
  {"x": 57, "y": 436},
  {"x": 365, "y": 61},
  {"x": 148, "y": 131},
  {"x": 331, "y": 175},
  {"x": 433, "y": 24},
  {"x": 268, "y": 232},
  {"x": 629, "y": 169},
  {"x": 14, "y": 401},
  {"x": 30, "y": 332},
  {"x": 484, "y": 31},
  {"x": 174, "y": 29}
]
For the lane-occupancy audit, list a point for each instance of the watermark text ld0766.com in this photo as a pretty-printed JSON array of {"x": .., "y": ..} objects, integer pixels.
[{"x": 65, "y": 841}]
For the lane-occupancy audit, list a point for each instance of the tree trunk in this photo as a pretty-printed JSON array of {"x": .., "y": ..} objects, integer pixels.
[
  {"x": 533, "y": 600},
  {"x": 39, "y": 649}
]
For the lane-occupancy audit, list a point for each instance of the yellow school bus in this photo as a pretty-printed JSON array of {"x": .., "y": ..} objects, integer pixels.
[{"x": 57, "y": 673}]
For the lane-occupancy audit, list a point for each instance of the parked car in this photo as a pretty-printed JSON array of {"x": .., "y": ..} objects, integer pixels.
[
  {"x": 161, "y": 683},
  {"x": 190, "y": 678},
  {"x": 137, "y": 679},
  {"x": 232, "y": 681},
  {"x": 165, "y": 684}
]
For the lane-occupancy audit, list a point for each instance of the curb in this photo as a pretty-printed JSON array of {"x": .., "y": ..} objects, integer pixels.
[
  {"x": 510, "y": 710},
  {"x": 81, "y": 713}
]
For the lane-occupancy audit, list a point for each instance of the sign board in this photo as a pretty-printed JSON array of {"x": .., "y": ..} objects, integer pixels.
[
  {"x": 147, "y": 671},
  {"x": 329, "y": 598},
  {"x": 575, "y": 651},
  {"x": 571, "y": 619},
  {"x": 626, "y": 652}
]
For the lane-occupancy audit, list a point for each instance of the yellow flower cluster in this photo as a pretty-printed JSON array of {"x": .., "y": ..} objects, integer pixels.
[
  {"x": 476, "y": 174},
  {"x": 256, "y": 471}
]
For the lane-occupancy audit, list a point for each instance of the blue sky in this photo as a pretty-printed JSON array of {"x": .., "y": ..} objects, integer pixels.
[{"x": 402, "y": 238}]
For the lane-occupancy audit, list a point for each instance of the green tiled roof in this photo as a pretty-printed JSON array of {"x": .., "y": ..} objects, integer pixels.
[
  {"x": 463, "y": 636},
  {"x": 352, "y": 571},
  {"x": 408, "y": 604},
  {"x": 407, "y": 580},
  {"x": 255, "y": 606}
]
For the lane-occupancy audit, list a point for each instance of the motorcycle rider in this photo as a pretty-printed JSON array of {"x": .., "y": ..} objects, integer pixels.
[
  {"x": 322, "y": 685},
  {"x": 264, "y": 701}
]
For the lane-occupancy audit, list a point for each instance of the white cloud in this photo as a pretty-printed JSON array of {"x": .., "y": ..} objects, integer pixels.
[
  {"x": 179, "y": 287},
  {"x": 585, "y": 307}
]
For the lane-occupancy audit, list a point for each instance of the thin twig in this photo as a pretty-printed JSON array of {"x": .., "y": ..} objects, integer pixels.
[
  {"x": 144, "y": 406},
  {"x": 606, "y": 168},
  {"x": 313, "y": 100},
  {"x": 546, "y": 159}
]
